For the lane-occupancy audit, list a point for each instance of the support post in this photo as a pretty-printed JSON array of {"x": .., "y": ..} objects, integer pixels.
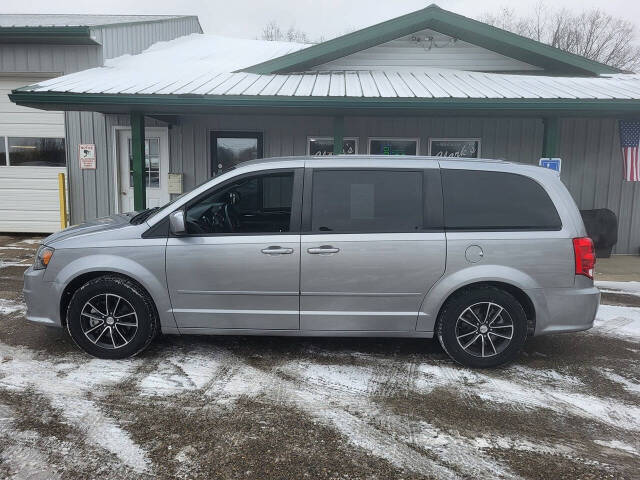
[
  {"x": 550, "y": 137},
  {"x": 137, "y": 153},
  {"x": 62, "y": 194},
  {"x": 338, "y": 135}
]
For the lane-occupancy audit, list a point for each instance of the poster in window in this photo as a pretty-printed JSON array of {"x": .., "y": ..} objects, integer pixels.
[
  {"x": 393, "y": 146},
  {"x": 324, "y": 146},
  {"x": 455, "y": 147},
  {"x": 87, "y": 156}
]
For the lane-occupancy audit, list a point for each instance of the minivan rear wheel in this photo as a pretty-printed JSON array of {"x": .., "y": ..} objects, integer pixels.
[
  {"x": 482, "y": 327},
  {"x": 111, "y": 317}
]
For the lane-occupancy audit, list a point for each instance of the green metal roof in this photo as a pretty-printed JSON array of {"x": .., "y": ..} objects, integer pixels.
[
  {"x": 124, "y": 103},
  {"x": 553, "y": 60}
]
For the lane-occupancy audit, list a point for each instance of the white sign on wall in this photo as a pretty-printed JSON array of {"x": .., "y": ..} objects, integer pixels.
[{"x": 87, "y": 156}]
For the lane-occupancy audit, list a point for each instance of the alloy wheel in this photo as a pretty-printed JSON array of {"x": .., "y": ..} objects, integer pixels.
[
  {"x": 109, "y": 321},
  {"x": 484, "y": 329}
]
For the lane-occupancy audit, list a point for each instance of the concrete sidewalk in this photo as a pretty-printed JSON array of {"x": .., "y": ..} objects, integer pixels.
[{"x": 619, "y": 268}]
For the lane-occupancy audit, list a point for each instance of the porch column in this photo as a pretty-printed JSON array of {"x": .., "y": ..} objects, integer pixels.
[
  {"x": 550, "y": 137},
  {"x": 137, "y": 152},
  {"x": 338, "y": 135}
]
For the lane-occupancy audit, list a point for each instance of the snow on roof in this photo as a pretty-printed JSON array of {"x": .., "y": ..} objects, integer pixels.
[
  {"x": 42, "y": 20},
  {"x": 204, "y": 64}
]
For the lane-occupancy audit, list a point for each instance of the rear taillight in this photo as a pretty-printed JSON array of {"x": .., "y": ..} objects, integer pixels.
[{"x": 585, "y": 256}]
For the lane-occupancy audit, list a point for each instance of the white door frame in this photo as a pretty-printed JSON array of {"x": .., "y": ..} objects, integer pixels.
[{"x": 162, "y": 132}]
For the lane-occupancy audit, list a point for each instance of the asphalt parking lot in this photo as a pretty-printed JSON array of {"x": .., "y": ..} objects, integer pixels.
[{"x": 287, "y": 408}]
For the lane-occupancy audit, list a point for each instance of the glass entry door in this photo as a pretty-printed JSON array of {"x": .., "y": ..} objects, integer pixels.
[
  {"x": 228, "y": 149},
  {"x": 156, "y": 164}
]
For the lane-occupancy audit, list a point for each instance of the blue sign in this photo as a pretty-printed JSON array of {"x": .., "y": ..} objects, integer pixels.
[{"x": 551, "y": 163}]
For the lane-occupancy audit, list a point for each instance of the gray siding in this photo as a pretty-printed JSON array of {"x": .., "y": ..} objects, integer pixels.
[
  {"x": 592, "y": 170},
  {"x": 591, "y": 160},
  {"x": 120, "y": 39},
  {"x": 48, "y": 59}
]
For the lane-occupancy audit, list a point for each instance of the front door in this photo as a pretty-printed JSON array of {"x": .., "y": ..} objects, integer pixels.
[
  {"x": 156, "y": 148},
  {"x": 238, "y": 267},
  {"x": 374, "y": 247}
]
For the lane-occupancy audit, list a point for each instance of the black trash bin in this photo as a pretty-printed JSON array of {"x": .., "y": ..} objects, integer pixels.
[{"x": 602, "y": 227}]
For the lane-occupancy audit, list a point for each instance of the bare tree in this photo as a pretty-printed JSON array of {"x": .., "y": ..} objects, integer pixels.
[
  {"x": 274, "y": 33},
  {"x": 593, "y": 34}
]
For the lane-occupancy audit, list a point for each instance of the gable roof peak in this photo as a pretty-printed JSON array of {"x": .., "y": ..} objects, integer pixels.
[{"x": 551, "y": 59}]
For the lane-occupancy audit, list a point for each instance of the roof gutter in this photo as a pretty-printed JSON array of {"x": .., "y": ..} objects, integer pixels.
[{"x": 184, "y": 103}]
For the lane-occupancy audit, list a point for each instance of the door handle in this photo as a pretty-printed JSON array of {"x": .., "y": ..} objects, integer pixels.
[
  {"x": 275, "y": 250},
  {"x": 323, "y": 250}
]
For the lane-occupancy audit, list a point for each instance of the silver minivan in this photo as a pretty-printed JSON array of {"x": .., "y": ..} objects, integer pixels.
[{"x": 480, "y": 253}]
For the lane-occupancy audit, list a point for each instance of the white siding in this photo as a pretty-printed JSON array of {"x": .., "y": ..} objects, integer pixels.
[
  {"x": 23, "y": 121},
  {"x": 28, "y": 195},
  {"x": 405, "y": 54},
  {"x": 29, "y": 199}
]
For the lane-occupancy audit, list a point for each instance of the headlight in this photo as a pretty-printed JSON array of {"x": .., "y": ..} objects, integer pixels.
[{"x": 43, "y": 257}]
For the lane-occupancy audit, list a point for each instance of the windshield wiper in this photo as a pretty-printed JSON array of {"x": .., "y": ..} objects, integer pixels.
[{"x": 142, "y": 216}]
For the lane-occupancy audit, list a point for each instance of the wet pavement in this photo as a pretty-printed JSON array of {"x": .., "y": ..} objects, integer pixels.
[{"x": 294, "y": 408}]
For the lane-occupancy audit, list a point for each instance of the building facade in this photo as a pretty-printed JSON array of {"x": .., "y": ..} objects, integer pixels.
[
  {"x": 427, "y": 83},
  {"x": 34, "y": 48}
]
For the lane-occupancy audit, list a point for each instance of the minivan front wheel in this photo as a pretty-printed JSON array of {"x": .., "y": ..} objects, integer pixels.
[
  {"x": 482, "y": 327},
  {"x": 111, "y": 317}
]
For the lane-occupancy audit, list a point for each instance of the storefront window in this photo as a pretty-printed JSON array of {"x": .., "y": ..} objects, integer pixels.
[
  {"x": 35, "y": 152},
  {"x": 318, "y": 146},
  {"x": 455, "y": 147},
  {"x": 393, "y": 146},
  {"x": 228, "y": 149}
]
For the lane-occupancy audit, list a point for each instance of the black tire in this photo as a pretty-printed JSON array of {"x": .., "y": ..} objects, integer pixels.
[
  {"x": 133, "y": 299},
  {"x": 449, "y": 328}
]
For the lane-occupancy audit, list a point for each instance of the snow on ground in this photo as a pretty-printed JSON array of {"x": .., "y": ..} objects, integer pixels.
[
  {"x": 9, "y": 306},
  {"x": 628, "y": 288},
  {"x": 371, "y": 397},
  {"x": 618, "y": 321}
]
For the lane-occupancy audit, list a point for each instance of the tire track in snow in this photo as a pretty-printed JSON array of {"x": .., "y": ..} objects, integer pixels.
[{"x": 66, "y": 386}]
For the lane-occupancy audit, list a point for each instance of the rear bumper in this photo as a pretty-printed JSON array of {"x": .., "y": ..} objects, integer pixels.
[
  {"x": 560, "y": 310},
  {"x": 42, "y": 299}
]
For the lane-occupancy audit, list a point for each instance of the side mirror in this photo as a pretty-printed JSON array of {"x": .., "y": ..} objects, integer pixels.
[{"x": 176, "y": 223}]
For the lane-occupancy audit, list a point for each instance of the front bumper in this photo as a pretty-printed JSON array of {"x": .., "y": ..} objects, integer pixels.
[
  {"x": 560, "y": 310},
  {"x": 42, "y": 299}
]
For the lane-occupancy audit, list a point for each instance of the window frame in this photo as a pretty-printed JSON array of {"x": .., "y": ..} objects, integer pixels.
[
  {"x": 214, "y": 135},
  {"x": 330, "y": 137},
  {"x": 296, "y": 204},
  {"x": 457, "y": 139},
  {"x": 432, "y": 207},
  {"x": 402, "y": 139},
  {"x": 5, "y": 140}
]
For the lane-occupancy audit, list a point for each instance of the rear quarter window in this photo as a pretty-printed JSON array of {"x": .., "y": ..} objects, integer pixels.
[{"x": 481, "y": 200}]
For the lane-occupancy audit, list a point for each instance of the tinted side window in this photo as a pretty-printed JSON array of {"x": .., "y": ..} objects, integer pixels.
[
  {"x": 480, "y": 200},
  {"x": 257, "y": 204},
  {"x": 367, "y": 201}
]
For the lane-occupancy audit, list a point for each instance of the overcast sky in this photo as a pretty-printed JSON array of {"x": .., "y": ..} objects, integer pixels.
[{"x": 245, "y": 18}]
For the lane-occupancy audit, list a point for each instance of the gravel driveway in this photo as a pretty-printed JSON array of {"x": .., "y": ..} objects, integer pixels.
[{"x": 289, "y": 408}]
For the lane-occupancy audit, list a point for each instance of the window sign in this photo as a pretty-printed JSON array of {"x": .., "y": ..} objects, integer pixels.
[
  {"x": 87, "y": 155},
  {"x": 455, "y": 147},
  {"x": 551, "y": 163},
  {"x": 324, "y": 146},
  {"x": 393, "y": 146}
]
